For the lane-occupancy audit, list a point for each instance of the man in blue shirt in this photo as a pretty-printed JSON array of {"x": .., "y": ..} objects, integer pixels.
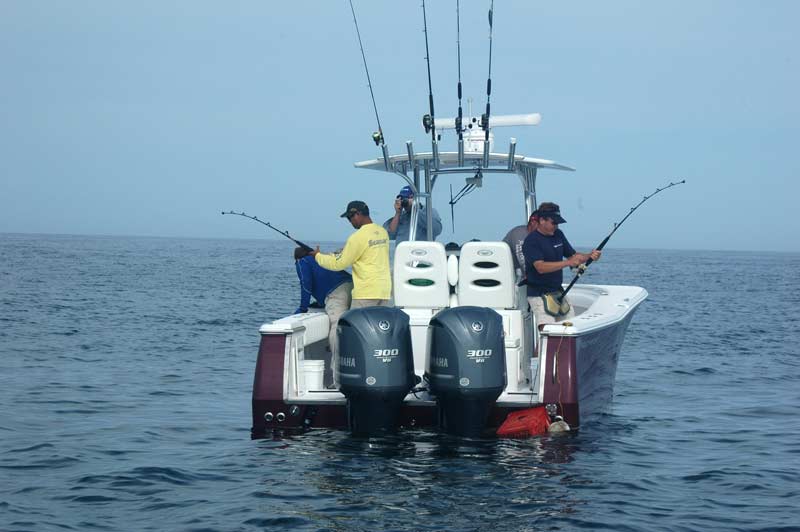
[
  {"x": 399, "y": 226},
  {"x": 329, "y": 288},
  {"x": 547, "y": 252}
]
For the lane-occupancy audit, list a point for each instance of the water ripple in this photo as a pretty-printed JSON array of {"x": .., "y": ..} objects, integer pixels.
[{"x": 129, "y": 410}]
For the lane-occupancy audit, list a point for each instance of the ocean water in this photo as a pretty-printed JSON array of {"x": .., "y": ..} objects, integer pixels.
[{"x": 126, "y": 368}]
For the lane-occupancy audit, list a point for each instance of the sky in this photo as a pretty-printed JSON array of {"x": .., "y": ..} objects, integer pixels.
[{"x": 150, "y": 118}]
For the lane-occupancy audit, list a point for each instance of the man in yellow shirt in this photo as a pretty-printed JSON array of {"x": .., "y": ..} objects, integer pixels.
[{"x": 367, "y": 251}]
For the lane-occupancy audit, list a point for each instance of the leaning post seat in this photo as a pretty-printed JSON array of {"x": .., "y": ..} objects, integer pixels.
[
  {"x": 421, "y": 289},
  {"x": 486, "y": 275},
  {"x": 420, "y": 275}
]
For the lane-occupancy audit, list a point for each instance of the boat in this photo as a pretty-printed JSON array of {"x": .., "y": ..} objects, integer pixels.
[
  {"x": 460, "y": 349},
  {"x": 569, "y": 367}
]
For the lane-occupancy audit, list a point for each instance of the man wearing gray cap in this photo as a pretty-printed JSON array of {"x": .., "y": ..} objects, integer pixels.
[{"x": 547, "y": 252}]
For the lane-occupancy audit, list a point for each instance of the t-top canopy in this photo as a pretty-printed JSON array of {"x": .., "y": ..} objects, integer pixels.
[{"x": 449, "y": 161}]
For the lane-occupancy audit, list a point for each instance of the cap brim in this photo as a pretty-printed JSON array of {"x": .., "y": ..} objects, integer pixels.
[
  {"x": 345, "y": 214},
  {"x": 557, "y": 219}
]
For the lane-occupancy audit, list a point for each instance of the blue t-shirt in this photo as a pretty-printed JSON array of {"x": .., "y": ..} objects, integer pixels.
[
  {"x": 316, "y": 281},
  {"x": 404, "y": 226},
  {"x": 552, "y": 248}
]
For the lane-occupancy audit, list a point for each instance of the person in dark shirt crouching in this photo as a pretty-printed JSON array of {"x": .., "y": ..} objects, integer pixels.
[
  {"x": 329, "y": 288},
  {"x": 547, "y": 252}
]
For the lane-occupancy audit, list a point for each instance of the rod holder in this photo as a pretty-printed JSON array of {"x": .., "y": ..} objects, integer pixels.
[
  {"x": 385, "y": 156},
  {"x": 460, "y": 152},
  {"x": 512, "y": 148},
  {"x": 410, "y": 149},
  {"x": 485, "y": 153}
]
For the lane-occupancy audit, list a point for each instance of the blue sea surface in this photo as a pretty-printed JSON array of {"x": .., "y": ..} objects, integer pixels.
[{"x": 126, "y": 369}]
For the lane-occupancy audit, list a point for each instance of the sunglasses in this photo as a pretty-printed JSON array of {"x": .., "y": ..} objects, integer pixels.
[{"x": 351, "y": 214}]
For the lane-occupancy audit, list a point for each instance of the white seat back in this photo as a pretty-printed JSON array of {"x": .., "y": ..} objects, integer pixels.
[
  {"x": 420, "y": 275},
  {"x": 486, "y": 275}
]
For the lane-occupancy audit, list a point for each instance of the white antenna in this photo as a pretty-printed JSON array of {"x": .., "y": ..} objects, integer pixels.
[{"x": 530, "y": 119}]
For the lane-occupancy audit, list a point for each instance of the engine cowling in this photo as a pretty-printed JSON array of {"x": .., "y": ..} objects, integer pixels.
[
  {"x": 375, "y": 368},
  {"x": 466, "y": 367}
]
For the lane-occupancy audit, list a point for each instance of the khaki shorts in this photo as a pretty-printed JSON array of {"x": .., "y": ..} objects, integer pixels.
[
  {"x": 336, "y": 304},
  {"x": 542, "y": 317},
  {"x": 364, "y": 303}
]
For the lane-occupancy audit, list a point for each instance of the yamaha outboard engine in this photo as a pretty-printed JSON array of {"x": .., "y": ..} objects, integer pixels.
[
  {"x": 466, "y": 367},
  {"x": 376, "y": 367}
]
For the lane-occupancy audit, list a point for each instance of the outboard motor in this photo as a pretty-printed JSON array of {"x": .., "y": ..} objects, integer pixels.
[
  {"x": 376, "y": 367},
  {"x": 466, "y": 367}
]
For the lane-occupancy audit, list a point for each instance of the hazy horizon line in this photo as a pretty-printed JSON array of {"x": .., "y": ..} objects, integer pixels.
[{"x": 175, "y": 237}]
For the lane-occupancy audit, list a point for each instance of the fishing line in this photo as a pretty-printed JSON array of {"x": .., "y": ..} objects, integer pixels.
[
  {"x": 377, "y": 137},
  {"x": 284, "y": 233},
  {"x": 582, "y": 267}
]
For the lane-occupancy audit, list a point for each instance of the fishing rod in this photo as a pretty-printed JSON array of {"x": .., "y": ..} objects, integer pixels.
[
  {"x": 485, "y": 117},
  {"x": 428, "y": 121},
  {"x": 582, "y": 267},
  {"x": 284, "y": 233},
  {"x": 459, "y": 119},
  {"x": 377, "y": 136}
]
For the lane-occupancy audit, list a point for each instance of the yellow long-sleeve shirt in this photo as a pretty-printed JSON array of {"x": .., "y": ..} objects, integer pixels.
[{"x": 367, "y": 251}]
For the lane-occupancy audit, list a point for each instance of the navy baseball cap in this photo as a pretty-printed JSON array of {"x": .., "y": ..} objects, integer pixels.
[
  {"x": 406, "y": 192},
  {"x": 552, "y": 211}
]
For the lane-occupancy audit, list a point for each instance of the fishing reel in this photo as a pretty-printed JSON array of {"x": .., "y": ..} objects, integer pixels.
[
  {"x": 427, "y": 123},
  {"x": 377, "y": 138},
  {"x": 459, "y": 125},
  {"x": 485, "y": 121}
]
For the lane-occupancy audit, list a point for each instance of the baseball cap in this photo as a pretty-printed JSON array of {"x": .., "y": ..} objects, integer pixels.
[
  {"x": 405, "y": 192},
  {"x": 354, "y": 207},
  {"x": 552, "y": 211}
]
